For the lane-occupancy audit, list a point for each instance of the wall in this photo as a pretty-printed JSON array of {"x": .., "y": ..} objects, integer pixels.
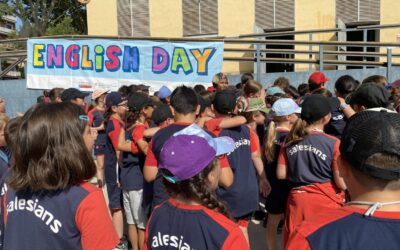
[
  {"x": 314, "y": 14},
  {"x": 166, "y": 18},
  {"x": 390, "y": 10},
  {"x": 17, "y": 97},
  {"x": 102, "y": 18},
  {"x": 236, "y": 17}
]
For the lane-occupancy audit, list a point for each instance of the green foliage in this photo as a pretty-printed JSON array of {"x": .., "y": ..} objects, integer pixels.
[
  {"x": 39, "y": 16},
  {"x": 65, "y": 27}
]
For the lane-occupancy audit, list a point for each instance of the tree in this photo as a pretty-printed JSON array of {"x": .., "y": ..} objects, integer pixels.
[
  {"x": 64, "y": 27},
  {"x": 37, "y": 16}
]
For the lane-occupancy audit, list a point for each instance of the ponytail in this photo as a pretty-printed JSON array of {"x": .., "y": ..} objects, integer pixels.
[
  {"x": 197, "y": 189},
  {"x": 297, "y": 133},
  {"x": 107, "y": 114},
  {"x": 270, "y": 138}
]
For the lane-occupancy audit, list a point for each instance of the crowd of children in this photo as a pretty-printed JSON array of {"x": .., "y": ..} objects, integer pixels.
[{"x": 187, "y": 168}]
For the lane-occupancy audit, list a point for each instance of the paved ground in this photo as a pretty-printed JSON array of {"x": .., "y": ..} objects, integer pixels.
[{"x": 257, "y": 237}]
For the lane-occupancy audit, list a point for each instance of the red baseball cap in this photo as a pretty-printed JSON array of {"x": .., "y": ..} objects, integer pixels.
[{"x": 318, "y": 78}]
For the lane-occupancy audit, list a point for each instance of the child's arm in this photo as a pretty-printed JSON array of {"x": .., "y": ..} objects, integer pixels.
[
  {"x": 335, "y": 168},
  {"x": 265, "y": 187},
  {"x": 123, "y": 145},
  {"x": 150, "y": 132},
  {"x": 143, "y": 145},
  {"x": 233, "y": 122},
  {"x": 281, "y": 170}
]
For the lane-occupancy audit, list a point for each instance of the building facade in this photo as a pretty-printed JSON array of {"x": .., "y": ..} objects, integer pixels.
[{"x": 210, "y": 18}]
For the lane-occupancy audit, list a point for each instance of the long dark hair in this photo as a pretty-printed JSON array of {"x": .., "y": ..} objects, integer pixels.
[
  {"x": 197, "y": 189},
  {"x": 51, "y": 152}
]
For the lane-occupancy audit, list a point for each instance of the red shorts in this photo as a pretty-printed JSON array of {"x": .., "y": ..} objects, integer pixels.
[{"x": 306, "y": 201}]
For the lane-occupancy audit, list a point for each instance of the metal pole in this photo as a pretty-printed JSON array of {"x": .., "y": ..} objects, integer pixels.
[
  {"x": 365, "y": 38},
  {"x": 258, "y": 62},
  {"x": 389, "y": 65},
  {"x": 310, "y": 49},
  {"x": 321, "y": 57}
]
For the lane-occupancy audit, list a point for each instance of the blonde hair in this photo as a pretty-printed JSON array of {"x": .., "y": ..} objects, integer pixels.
[
  {"x": 270, "y": 138},
  {"x": 3, "y": 120},
  {"x": 218, "y": 77},
  {"x": 298, "y": 132}
]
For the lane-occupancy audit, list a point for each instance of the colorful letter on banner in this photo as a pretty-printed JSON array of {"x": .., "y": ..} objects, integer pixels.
[{"x": 89, "y": 64}]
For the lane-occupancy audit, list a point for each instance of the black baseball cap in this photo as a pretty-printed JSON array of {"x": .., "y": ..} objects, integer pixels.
[
  {"x": 371, "y": 95},
  {"x": 315, "y": 107},
  {"x": 138, "y": 100},
  {"x": 161, "y": 113},
  {"x": 71, "y": 94},
  {"x": 225, "y": 101},
  {"x": 368, "y": 133}
]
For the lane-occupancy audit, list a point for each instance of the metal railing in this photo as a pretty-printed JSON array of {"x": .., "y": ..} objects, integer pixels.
[{"x": 254, "y": 51}]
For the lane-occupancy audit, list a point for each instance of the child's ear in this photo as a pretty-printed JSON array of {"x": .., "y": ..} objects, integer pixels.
[{"x": 172, "y": 110}]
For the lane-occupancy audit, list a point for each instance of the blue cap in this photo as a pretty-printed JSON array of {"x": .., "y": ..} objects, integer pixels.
[
  {"x": 285, "y": 106},
  {"x": 275, "y": 90},
  {"x": 113, "y": 99},
  {"x": 164, "y": 92},
  {"x": 185, "y": 142}
]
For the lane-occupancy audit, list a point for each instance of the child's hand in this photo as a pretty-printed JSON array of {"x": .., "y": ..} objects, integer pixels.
[{"x": 265, "y": 187}]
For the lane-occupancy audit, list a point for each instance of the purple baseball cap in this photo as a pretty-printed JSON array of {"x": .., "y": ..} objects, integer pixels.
[{"x": 190, "y": 150}]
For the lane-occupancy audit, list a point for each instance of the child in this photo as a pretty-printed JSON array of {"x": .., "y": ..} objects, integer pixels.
[
  {"x": 48, "y": 196},
  {"x": 284, "y": 115},
  {"x": 116, "y": 108},
  {"x": 134, "y": 147},
  {"x": 193, "y": 218},
  {"x": 5, "y": 153},
  {"x": 369, "y": 164},
  {"x": 308, "y": 160},
  {"x": 96, "y": 120},
  {"x": 242, "y": 196}
]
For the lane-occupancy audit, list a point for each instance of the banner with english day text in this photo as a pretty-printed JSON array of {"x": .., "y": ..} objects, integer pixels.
[{"x": 109, "y": 64}]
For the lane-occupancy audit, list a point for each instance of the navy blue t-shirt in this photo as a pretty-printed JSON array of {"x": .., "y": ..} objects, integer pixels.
[
  {"x": 155, "y": 146},
  {"x": 5, "y": 160},
  {"x": 111, "y": 169},
  {"x": 96, "y": 117},
  {"x": 74, "y": 218},
  {"x": 242, "y": 195},
  {"x": 132, "y": 168},
  {"x": 311, "y": 160},
  {"x": 348, "y": 228},
  {"x": 175, "y": 225},
  {"x": 336, "y": 125}
]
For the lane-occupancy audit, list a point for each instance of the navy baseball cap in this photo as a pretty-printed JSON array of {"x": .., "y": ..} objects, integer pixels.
[
  {"x": 367, "y": 134},
  {"x": 315, "y": 107},
  {"x": 113, "y": 99},
  {"x": 371, "y": 95},
  {"x": 224, "y": 101},
  {"x": 71, "y": 94}
]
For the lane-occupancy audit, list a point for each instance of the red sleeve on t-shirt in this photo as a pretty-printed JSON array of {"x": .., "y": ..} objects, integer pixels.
[
  {"x": 223, "y": 162},
  {"x": 114, "y": 134},
  {"x": 151, "y": 160},
  {"x": 91, "y": 117},
  {"x": 254, "y": 141},
  {"x": 212, "y": 125},
  {"x": 236, "y": 241},
  {"x": 94, "y": 222},
  {"x": 138, "y": 132},
  {"x": 282, "y": 158},
  {"x": 336, "y": 154},
  {"x": 298, "y": 242}
]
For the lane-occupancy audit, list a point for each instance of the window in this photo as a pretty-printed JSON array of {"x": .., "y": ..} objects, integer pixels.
[
  {"x": 200, "y": 17},
  {"x": 353, "y": 11},
  {"x": 133, "y": 17},
  {"x": 274, "y": 14}
]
